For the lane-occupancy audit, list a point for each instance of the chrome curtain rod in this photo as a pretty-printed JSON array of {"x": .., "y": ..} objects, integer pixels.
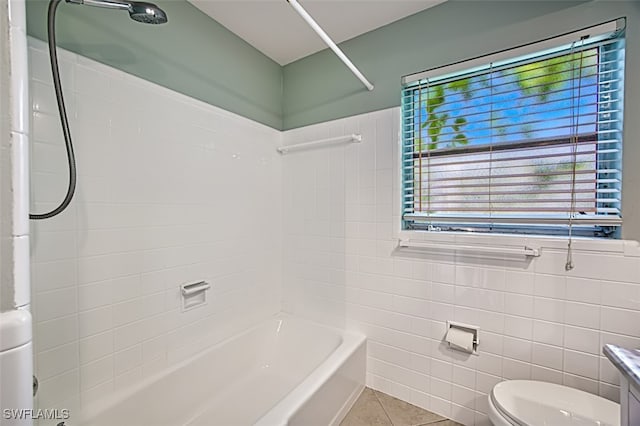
[{"x": 325, "y": 37}]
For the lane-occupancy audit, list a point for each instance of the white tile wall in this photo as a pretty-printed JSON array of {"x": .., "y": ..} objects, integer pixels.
[
  {"x": 170, "y": 190},
  {"x": 537, "y": 320},
  {"x": 6, "y": 196},
  {"x": 15, "y": 290}
]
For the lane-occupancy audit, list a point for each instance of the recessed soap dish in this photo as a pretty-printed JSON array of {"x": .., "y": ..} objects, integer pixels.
[{"x": 194, "y": 294}]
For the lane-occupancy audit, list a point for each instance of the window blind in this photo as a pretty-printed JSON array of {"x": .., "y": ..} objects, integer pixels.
[{"x": 524, "y": 144}]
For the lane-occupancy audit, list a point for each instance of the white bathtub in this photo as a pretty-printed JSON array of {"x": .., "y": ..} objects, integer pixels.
[{"x": 285, "y": 371}]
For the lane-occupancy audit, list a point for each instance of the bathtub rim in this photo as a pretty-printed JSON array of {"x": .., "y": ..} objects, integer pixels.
[{"x": 287, "y": 407}]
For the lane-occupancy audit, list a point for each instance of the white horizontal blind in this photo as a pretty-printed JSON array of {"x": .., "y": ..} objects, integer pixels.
[{"x": 510, "y": 146}]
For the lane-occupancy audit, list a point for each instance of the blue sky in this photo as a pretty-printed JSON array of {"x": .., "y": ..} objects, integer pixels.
[{"x": 513, "y": 109}]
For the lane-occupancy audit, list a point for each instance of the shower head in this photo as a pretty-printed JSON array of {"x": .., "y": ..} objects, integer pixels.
[
  {"x": 147, "y": 13},
  {"x": 142, "y": 12}
]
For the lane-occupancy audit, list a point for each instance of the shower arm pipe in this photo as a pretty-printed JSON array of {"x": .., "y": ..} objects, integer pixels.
[
  {"x": 325, "y": 37},
  {"x": 105, "y": 4}
]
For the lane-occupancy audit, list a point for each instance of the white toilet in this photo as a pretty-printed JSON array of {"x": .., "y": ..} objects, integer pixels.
[{"x": 534, "y": 403}]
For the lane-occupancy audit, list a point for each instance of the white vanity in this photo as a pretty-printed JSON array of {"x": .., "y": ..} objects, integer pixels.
[{"x": 627, "y": 361}]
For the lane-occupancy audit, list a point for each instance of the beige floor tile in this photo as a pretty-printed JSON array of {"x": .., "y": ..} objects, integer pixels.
[
  {"x": 402, "y": 413},
  {"x": 367, "y": 411}
]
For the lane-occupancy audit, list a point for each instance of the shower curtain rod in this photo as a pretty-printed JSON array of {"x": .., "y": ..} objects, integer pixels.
[{"x": 323, "y": 35}]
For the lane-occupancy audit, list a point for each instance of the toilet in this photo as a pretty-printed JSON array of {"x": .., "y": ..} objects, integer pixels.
[{"x": 534, "y": 403}]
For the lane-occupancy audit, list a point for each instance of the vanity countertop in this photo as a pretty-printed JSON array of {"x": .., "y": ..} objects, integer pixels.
[{"x": 625, "y": 360}]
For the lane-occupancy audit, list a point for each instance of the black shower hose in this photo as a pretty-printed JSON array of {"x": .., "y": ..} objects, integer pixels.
[{"x": 55, "y": 72}]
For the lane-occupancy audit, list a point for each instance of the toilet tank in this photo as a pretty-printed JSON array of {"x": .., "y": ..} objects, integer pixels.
[{"x": 16, "y": 368}]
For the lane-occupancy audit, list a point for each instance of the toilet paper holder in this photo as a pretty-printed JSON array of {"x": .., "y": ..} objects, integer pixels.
[{"x": 457, "y": 331}]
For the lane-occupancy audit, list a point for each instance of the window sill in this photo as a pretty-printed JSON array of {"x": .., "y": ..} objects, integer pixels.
[{"x": 628, "y": 248}]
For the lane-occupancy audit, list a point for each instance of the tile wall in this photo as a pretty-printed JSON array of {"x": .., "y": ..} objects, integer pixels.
[
  {"x": 315, "y": 195},
  {"x": 14, "y": 291},
  {"x": 537, "y": 320},
  {"x": 170, "y": 191},
  {"x": 6, "y": 202}
]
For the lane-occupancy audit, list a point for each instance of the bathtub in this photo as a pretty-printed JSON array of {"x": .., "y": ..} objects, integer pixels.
[{"x": 284, "y": 371}]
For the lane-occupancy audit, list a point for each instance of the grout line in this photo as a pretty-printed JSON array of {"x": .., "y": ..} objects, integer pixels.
[
  {"x": 375, "y": 395},
  {"x": 434, "y": 422}
]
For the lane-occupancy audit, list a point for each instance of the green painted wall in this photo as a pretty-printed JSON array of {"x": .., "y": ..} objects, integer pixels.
[
  {"x": 450, "y": 32},
  {"x": 191, "y": 54}
]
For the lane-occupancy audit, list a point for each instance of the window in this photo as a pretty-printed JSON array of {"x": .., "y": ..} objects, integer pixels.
[{"x": 528, "y": 144}]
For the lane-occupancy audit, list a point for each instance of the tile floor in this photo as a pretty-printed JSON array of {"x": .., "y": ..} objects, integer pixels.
[{"x": 375, "y": 408}]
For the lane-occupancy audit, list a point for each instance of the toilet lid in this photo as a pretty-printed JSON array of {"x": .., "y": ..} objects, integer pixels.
[{"x": 534, "y": 403}]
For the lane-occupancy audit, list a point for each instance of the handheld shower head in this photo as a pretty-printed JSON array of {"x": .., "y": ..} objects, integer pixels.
[
  {"x": 147, "y": 13},
  {"x": 142, "y": 12}
]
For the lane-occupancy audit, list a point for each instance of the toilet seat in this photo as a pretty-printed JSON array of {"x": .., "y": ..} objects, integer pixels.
[{"x": 533, "y": 403}]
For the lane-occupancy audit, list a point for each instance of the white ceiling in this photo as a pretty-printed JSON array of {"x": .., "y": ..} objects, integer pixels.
[{"x": 274, "y": 28}]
